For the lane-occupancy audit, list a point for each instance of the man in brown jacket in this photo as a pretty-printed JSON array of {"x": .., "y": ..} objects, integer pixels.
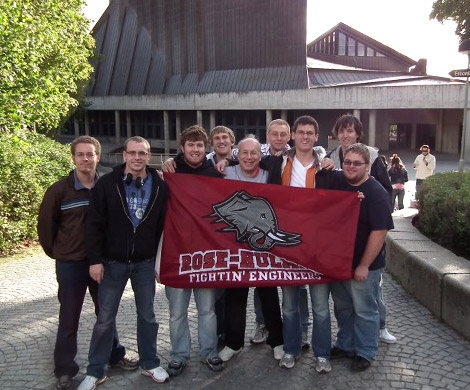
[{"x": 61, "y": 230}]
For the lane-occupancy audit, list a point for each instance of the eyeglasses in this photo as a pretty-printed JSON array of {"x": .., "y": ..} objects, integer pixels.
[
  {"x": 353, "y": 163},
  {"x": 307, "y": 133},
  {"x": 133, "y": 153},
  {"x": 89, "y": 156}
]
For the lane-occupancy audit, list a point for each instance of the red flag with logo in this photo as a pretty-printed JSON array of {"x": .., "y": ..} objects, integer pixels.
[{"x": 227, "y": 233}]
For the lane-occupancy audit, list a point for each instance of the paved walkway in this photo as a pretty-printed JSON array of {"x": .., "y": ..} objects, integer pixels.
[{"x": 428, "y": 355}]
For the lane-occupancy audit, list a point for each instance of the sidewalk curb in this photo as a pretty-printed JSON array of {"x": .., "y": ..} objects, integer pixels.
[{"x": 433, "y": 275}]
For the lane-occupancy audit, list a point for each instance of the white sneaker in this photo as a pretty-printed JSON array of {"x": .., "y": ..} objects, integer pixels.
[
  {"x": 90, "y": 382},
  {"x": 158, "y": 374},
  {"x": 322, "y": 365},
  {"x": 227, "y": 353},
  {"x": 287, "y": 361},
  {"x": 387, "y": 337},
  {"x": 278, "y": 352}
]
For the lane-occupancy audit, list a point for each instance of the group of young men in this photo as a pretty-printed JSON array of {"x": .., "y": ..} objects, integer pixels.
[{"x": 104, "y": 232}]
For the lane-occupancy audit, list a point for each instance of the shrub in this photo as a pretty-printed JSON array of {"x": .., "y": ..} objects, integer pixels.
[
  {"x": 444, "y": 211},
  {"x": 29, "y": 164}
]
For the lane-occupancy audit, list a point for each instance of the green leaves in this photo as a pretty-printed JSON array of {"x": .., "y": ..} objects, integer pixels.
[
  {"x": 44, "y": 48},
  {"x": 456, "y": 10},
  {"x": 29, "y": 164}
]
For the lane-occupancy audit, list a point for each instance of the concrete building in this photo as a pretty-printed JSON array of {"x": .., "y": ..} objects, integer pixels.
[{"x": 164, "y": 65}]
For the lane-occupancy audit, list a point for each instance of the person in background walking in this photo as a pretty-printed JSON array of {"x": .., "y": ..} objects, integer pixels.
[
  {"x": 398, "y": 177},
  {"x": 424, "y": 165}
]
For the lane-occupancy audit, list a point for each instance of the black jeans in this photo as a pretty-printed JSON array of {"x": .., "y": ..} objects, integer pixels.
[
  {"x": 235, "y": 316},
  {"x": 74, "y": 279}
]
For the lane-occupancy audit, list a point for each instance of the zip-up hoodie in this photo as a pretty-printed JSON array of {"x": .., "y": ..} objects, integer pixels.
[{"x": 110, "y": 232}]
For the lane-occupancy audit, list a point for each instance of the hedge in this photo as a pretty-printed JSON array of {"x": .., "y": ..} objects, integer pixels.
[
  {"x": 29, "y": 164},
  {"x": 444, "y": 211}
]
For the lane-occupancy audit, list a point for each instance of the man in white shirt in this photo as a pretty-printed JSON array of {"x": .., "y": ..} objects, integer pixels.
[{"x": 424, "y": 165}]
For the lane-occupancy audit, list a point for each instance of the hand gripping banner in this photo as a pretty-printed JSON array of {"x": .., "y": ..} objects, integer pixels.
[{"x": 226, "y": 233}]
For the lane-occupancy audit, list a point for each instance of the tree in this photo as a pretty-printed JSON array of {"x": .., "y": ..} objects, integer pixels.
[
  {"x": 44, "y": 49},
  {"x": 456, "y": 10}
]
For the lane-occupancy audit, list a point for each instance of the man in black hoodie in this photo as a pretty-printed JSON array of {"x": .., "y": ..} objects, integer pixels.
[
  {"x": 124, "y": 225},
  {"x": 192, "y": 160}
]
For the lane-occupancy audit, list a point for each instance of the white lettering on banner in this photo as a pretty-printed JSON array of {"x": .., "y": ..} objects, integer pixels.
[{"x": 224, "y": 266}]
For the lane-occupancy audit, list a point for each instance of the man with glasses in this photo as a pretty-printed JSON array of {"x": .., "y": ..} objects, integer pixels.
[
  {"x": 124, "y": 225},
  {"x": 424, "y": 165},
  {"x": 61, "y": 230},
  {"x": 356, "y": 306}
]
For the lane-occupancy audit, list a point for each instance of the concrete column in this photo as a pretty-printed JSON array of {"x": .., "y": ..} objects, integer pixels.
[
  {"x": 129, "y": 124},
  {"x": 178, "y": 129},
  {"x": 76, "y": 127},
  {"x": 212, "y": 121},
  {"x": 357, "y": 114},
  {"x": 166, "y": 133},
  {"x": 440, "y": 120},
  {"x": 87, "y": 123},
  {"x": 199, "y": 117},
  {"x": 117, "y": 126},
  {"x": 284, "y": 115},
  {"x": 372, "y": 127},
  {"x": 466, "y": 156},
  {"x": 269, "y": 117},
  {"x": 413, "y": 135}
]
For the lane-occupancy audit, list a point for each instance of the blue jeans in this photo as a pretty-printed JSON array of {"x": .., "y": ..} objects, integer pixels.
[
  {"x": 116, "y": 275},
  {"x": 291, "y": 329},
  {"x": 73, "y": 279},
  {"x": 178, "y": 299},
  {"x": 321, "y": 331},
  {"x": 358, "y": 315},
  {"x": 303, "y": 307}
]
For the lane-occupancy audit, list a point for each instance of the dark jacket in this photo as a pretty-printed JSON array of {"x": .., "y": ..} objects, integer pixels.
[
  {"x": 399, "y": 175},
  {"x": 110, "y": 232},
  {"x": 61, "y": 221},
  {"x": 205, "y": 169}
]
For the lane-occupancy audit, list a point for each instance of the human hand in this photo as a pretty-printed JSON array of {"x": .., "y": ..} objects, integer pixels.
[
  {"x": 220, "y": 166},
  {"x": 328, "y": 164},
  {"x": 97, "y": 272},
  {"x": 360, "y": 273},
  {"x": 169, "y": 166}
]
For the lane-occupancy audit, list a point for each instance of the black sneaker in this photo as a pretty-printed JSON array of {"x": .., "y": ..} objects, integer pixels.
[
  {"x": 337, "y": 353},
  {"x": 215, "y": 363},
  {"x": 64, "y": 383},
  {"x": 360, "y": 364},
  {"x": 175, "y": 367}
]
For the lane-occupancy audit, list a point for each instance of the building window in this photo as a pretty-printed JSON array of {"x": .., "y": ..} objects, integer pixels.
[
  {"x": 351, "y": 47},
  {"x": 341, "y": 44},
  {"x": 370, "y": 52},
  {"x": 361, "y": 49},
  {"x": 379, "y": 54}
]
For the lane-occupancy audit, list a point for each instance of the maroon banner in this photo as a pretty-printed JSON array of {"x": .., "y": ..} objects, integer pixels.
[{"x": 227, "y": 233}]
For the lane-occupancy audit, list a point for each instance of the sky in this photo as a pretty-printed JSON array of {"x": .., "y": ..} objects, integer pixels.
[{"x": 403, "y": 25}]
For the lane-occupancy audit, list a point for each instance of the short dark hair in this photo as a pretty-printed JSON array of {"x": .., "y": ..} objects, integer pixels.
[
  {"x": 138, "y": 139},
  {"x": 360, "y": 149},
  {"x": 86, "y": 139},
  {"x": 194, "y": 133},
  {"x": 306, "y": 120},
  {"x": 348, "y": 120}
]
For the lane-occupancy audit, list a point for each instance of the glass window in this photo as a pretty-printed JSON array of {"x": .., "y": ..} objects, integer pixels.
[
  {"x": 361, "y": 49},
  {"x": 351, "y": 47},
  {"x": 370, "y": 52},
  {"x": 379, "y": 54},
  {"x": 342, "y": 44}
]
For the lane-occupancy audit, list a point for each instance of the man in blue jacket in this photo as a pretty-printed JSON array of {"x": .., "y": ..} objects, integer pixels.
[{"x": 124, "y": 225}]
